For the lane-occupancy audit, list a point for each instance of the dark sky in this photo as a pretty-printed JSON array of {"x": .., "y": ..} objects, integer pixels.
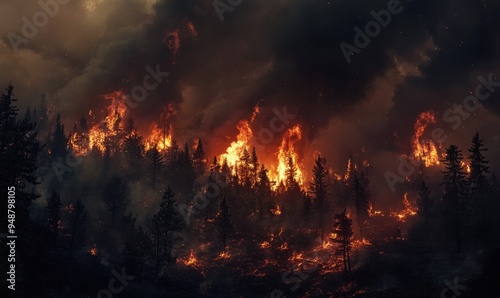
[{"x": 272, "y": 52}]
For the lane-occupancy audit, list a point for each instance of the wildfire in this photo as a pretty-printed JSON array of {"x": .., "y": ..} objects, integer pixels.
[
  {"x": 408, "y": 210},
  {"x": 191, "y": 261},
  {"x": 424, "y": 150},
  {"x": 161, "y": 134},
  {"x": 288, "y": 157},
  {"x": 265, "y": 244},
  {"x": 107, "y": 134},
  {"x": 236, "y": 150}
]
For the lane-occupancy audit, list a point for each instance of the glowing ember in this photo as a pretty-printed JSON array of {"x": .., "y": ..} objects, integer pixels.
[
  {"x": 265, "y": 244},
  {"x": 191, "y": 261},
  {"x": 223, "y": 255},
  {"x": 93, "y": 251},
  {"x": 424, "y": 150},
  {"x": 276, "y": 211}
]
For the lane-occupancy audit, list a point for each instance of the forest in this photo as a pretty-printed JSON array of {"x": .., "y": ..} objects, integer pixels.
[{"x": 103, "y": 210}]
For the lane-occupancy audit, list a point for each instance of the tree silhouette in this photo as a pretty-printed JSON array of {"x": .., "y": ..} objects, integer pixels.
[
  {"x": 343, "y": 235},
  {"x": 478, "y": 169},
  {"x": 155, "y": 165},
  {"x": 425, "y": 203},
  {"x": 116, "y": 197},
  {"x": 19, "y": 149},
  {"x": 223, "y": 220},
  {"x": 319, "y": 188},
  {"x": 78, "y": 224},
  {"x": 455, "y": 192},
  {"x": 199, "y": 159},
  {"x": 59, "y": 143}
]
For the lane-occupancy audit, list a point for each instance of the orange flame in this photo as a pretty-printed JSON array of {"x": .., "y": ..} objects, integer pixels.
[
  {"x": 234, "y": 152},
  {"x": 408, "y": 210},
  {"x": 425, "y": 150},
  {"x": 111, "y": 127},
  {"x": 287, "y": 154},
  {"x": 161, "y": 134}
]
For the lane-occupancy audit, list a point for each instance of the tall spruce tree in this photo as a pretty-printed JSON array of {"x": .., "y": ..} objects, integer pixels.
[
  {"x": 478, "y": 180},
  {"x": 455, "y": 192}
]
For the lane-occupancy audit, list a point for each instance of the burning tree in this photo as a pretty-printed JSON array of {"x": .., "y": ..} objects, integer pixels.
[
  {"x": 199, "y": 159},
  {"x": 343, "y": 235},
  {"x": 478, "y": 170},
  {"x": 455, "y": 191}
]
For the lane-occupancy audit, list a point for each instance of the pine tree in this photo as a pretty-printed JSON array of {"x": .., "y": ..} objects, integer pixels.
[
  {"x": 343, "y": 235},
  {"x": 19, "y": 149},
  {"x": 425, "y": 203},
  {"x": 58, "y": 147},
  {"x": 199, "y": 159},
  {"x": 263, "y": 190},
  {"x": 172, "y": 223},
  {"x": 78, "y": 224},
  {"x": 478, "y": 169},
  {"x": 224, "y": 224},
  {"x": 116, "y": 197},
  {"x": 254, "y": 167},
  {"x": 155, "y": 165},
  {"x": 319, "y": 188},
  {"x": 455, "y": 192}
]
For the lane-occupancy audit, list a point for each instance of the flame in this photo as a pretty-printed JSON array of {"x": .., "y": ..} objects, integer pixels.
[
  {"x": 408, "y": 210},
  {"x": 287, "y": 152},
  {"x": 109, "y": 128},
  {"x": 224, "y": 255},
  {"x": 265, "y": 244},
  {"x": 192, "y": 29},
  {"x": 191, "y": 260},
  {"x": 93, "y": 251},
  {"x": 425, "y": 150},
  {"x": 276, "y": 211},
  {"x": 233, "y": 153},
  {"x": 161, "y": 134},
  {"x": 372, "y": 212}
]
